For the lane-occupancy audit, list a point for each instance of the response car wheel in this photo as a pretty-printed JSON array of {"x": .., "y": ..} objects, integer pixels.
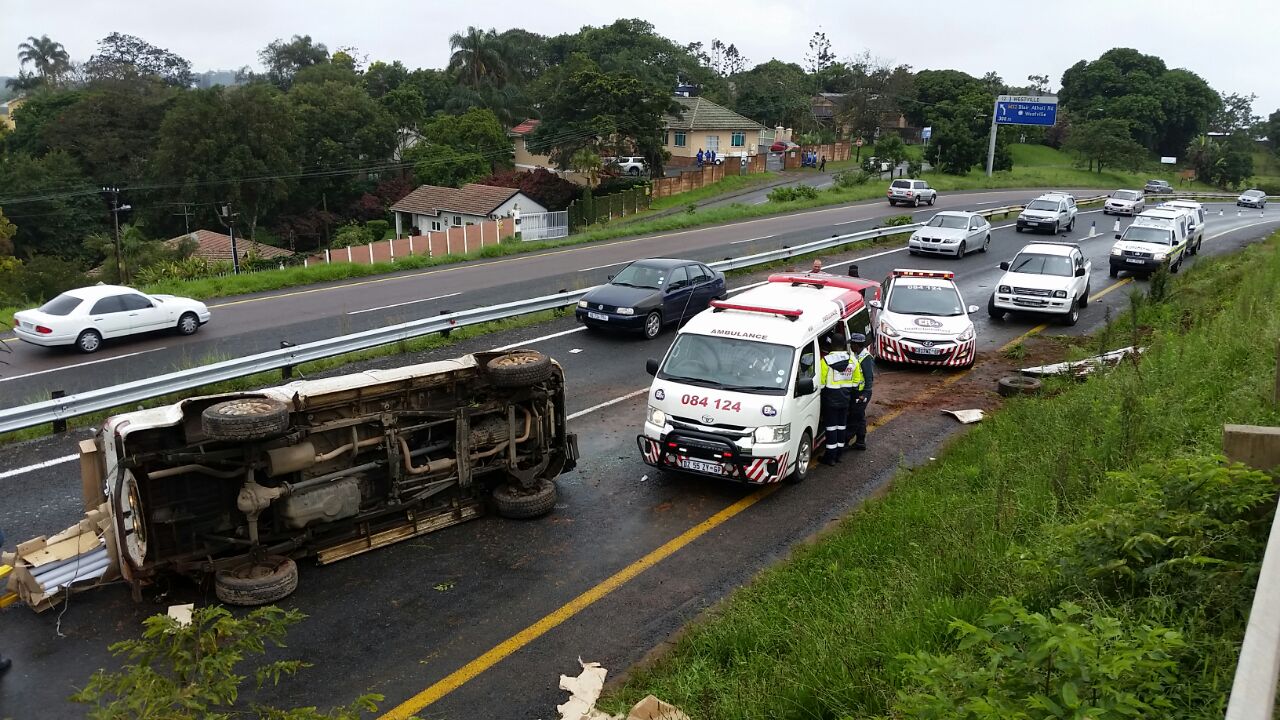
[
  {"x": 1114, "y": 273},
  {"x": 257, "y": 582},
  {"x": 1011, "y": 385},
  {"x": 1073, "y": 315},
  {"x": 89, "y": 341},
  {"x": 188, "y": 324},
  {"x": 1084, "y": 299},
  {"x": 519, "y": 369},
  {"x": 652, "y": 325},
  {"x": 931, "y": 199},
  {"x": 804, "y": 455},
  {"x": 519, "y": 504},
  {"x": 251, "y": 418}
]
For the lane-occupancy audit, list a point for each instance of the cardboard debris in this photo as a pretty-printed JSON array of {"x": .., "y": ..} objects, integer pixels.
[
  {"x": 584, "y": 690},
  {"x": 1082, "y": 368},
  {"x": 182, "y": 613},
  {"x": 965, "y": 416},
  {"x": 45, "y": 569}
]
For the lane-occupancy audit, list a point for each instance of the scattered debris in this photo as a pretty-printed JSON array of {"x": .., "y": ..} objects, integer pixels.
[
  {"x": 643, "y": 478},
  {"x": 447, "y": 585},
  {"x": 584, "y": 690},
  {"x": 182, "y": 613},
  {"x": 1082, "y": 368},
  {"x": 45, "y": 569},
  {"x": 965, "y": 416},
  {"x": 1012, "y": 385}
]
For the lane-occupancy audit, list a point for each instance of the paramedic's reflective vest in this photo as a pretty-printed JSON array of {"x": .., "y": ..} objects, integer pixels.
[{"x": 850, "y": 377}]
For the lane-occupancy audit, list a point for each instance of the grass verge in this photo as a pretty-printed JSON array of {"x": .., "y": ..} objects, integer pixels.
[
  {"x": 267, "y": 379},
  {"x": 824, "y": 635},
  {"x": 730, "y": 184}
]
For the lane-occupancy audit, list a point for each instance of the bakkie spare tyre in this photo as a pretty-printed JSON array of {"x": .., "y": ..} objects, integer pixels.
[
  {"x": 257, "y": 582},
  {"x": 250, "y": 418},
  {"x": 519, "y": 368}
]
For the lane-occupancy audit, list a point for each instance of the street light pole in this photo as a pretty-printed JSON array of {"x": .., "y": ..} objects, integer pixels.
[
  {"x": 116, "y": 209},
  {"x": 228, "y": 221}
]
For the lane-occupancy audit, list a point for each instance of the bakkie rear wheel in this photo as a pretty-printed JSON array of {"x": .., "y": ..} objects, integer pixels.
[
  {"x": 517, "y": 503},
  {"x": 257, "y": 582}
]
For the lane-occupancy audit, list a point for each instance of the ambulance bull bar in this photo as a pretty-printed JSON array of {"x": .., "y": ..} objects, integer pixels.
[{"x": 654, "y": 453}]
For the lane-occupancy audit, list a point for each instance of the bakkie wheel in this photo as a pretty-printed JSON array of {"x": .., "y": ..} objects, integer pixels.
[
  {"x": 517, "y": 503},
  {"x": 257, "y": 582}
]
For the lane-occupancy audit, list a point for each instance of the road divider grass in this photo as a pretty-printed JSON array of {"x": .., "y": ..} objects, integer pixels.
[{"x": 954, "y": 560}]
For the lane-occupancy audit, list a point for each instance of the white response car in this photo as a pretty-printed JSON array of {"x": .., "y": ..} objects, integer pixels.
[
  {"x": 87, "y": 316},
  {"x": 951, "y": 233},
  {"x": 924, "y": 321},
  {"x": 1044, "y": 277}
]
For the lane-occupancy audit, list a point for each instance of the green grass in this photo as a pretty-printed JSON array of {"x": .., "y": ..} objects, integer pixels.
[
  {"x": 818, "y": 636},
  {"x": 266, "y": 379},
  {"x": 730, "y": 183},
  {"x": 6, "y": 317}
]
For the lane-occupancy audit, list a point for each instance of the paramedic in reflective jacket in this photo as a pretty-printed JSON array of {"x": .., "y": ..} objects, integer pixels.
[
  {"x": 835, "y": 376},
  {"x": 861, "y": 399}
]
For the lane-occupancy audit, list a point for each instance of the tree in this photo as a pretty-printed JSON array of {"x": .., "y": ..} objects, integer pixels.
[
  {"x": 632, "y": 47},
  {"x": 588, "y": 107},
  {"x": 284, "y": 59},
  {"x": 236, "y": 145},
  {"x": 122, "y": 57},
  {"x": 477, "y": 58},
  {"x": 1272, "y": 130},
  {"x": 955, "y": 148},
  {"x": 958, "y": 108},
  {"x": 1106, "y": 142},
  {"x": 111, "y": 129},
  {"x": 34, "y": 118},
  {"x": 891, "y": 148},
  {"x": 524, "y": 54},
  {"x": 774, "y": 93},
  {"x": 1235, "y": 114},
  {"x": 586, "y": 162},
  {"x": 458, "y": 149},
  {"x": 7, "y": 231},
  {"x": 1226, "y": 162},
  {"x": 872, "y": 90},
  {"x": 192, "y": 670},
  {"x": 382, "y": 78},
  {"x": 820, "y": 56},
  {"x": 49, "y": 58},
  {"x": 547, "y": 188},
  {"x": 53, "y": 189},
  {"x": 1187, "y": 102}
]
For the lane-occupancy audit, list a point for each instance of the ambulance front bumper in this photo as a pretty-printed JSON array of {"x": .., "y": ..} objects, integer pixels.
[{"x": 712, "y": 455}]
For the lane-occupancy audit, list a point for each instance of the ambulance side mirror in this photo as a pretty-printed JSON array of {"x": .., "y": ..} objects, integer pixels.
[
  {"x": 973, "y": 309},
  {"x": 651, "y": 366},
  {"x": 804, "y": 386}
]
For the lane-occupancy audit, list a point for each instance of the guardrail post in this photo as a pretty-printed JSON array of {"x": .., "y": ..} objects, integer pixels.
[
  {"x": 445, "y": 332},
  {"x": 59, "y": 426},
  {"x": 286, "y": 372}
]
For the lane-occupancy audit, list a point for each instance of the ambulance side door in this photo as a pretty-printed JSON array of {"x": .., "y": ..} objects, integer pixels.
[{"x": 806, "y": 408}]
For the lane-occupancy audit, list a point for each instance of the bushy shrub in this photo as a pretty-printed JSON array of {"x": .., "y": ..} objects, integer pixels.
[
  {"x": 351, "y": 235},
  {"x": 792, "y": 193},
  {"x": 851, "y": 178},
  {"x": 377, "y": 228},
  {"x": 897, "y": 220}
]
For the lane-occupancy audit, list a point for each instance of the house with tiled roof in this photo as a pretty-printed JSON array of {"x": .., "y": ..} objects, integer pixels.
[
  {"x": 706, "y": 126},
  {"x": 433, "y": 208},
  {"x": 216, "y": 247},
  {"x": 524, "y": 159}
]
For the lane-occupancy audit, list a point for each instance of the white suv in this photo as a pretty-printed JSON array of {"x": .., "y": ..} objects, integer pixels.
[
  {"x": 1044, "y": 277},
  {"x": 911, "y": 192},
  {"x": 1052, "y": 211},
  {"x": 633, "y": 165}
]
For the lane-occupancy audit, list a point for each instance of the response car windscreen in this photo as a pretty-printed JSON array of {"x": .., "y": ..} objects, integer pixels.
[
  {"x": 924, "y": 299},
  {"x": 1159, "y": 236},
  {"x": 1049, "y": 205},
  {"x": 1032, "y": 263},
  {"x": 729, "y": 364}
]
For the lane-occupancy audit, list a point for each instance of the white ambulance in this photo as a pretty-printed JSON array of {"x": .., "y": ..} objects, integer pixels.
[{"x": 737, "y": 394}]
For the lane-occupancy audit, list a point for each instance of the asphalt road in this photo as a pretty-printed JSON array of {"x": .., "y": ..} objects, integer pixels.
[
  {"x": 250, "y": 324},
  {"x": 441, "y": 617}
]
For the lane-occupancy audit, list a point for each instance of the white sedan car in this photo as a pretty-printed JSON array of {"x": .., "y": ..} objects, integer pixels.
[
  {"x": 951, "y": 233},
  {"x": 87, "y": 316}
]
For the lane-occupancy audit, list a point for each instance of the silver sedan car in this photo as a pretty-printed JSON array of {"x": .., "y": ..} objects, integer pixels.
[{"x": 951, "y": 233}]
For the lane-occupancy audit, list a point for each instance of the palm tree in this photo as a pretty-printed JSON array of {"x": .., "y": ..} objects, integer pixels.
[
  {"x": 49, "y": 58},
  {"x": 477, "y": 57}
]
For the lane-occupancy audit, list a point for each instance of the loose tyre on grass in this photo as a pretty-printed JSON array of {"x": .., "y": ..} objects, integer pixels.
[{"x": 1013, "y": 385}]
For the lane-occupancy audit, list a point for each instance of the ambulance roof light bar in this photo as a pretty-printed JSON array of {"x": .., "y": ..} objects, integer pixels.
[
  {"x": 941, "y": 274},
  {"x": 791, "y": 315}
]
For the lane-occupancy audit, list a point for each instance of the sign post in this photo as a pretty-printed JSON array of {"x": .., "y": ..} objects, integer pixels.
[{"x": 1020, "y": 110}]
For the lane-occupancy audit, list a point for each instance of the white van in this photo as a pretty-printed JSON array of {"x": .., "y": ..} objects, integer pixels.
[
  {"x": 1195, "y": 212},
  {"x": 1156, "y": 237},
  {"x": 736, "y": 396}
]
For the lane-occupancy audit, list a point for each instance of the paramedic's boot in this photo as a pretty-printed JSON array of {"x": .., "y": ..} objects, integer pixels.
[{"x": 4, "y": 664}]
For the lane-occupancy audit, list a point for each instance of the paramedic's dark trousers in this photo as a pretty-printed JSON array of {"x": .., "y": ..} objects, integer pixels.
[
  {"x": 835, "y": 413},
  {"x": 857, "y": 423}
]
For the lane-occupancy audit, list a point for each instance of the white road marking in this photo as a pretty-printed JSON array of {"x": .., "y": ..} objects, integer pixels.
[
  {"x": 985, "y": 202},
  {"x": 406, "y": 302},
  {"x": 599, "y": 267},
  {"x": 83, "y": 364},
  {"x": 762, "y": 237},
  {"x": 748, "y": 287},
  {"x": 575, "y": 351},
  {"x": 531, "y": 341},
  {"x": 37, "y": 466},
  {"x": 864, "y": 257},
  {"x": 607, "y": 403}
]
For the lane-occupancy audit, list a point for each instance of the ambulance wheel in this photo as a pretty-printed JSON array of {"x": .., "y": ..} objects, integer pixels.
[{"x": 804, "y": 456}]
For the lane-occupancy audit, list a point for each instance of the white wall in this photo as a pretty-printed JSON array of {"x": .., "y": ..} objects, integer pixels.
[{"x": 527, "y": 205}]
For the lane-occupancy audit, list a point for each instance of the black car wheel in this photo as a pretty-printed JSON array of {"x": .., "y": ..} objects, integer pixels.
[
  {"x": 995, "y": 312},
  {"x": 652, "y": 325},
  {"x": 986, "y": 244}
]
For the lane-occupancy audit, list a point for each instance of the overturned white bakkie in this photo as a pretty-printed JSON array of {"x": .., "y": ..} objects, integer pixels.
[{"x": 239, "y": 485}]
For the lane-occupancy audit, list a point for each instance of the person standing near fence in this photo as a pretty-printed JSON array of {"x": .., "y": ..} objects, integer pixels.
[
  {"x": 700, "y": 157},
  {"x": 822, "y": 164}
]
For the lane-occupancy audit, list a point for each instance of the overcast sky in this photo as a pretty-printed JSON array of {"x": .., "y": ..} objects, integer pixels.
[{"x": 1013, "y": 38}]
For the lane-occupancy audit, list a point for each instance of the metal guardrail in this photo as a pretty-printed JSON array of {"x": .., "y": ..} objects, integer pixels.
[
  {"x": 1253, "y": 692},
  {"x": 90, "y": 401}
]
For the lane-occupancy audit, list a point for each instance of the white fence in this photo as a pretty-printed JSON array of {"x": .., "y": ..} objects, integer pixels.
[{"x": 544, "y": 226}]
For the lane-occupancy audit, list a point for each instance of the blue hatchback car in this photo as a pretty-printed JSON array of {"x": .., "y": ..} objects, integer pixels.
[{"x": 648, "y": 294}]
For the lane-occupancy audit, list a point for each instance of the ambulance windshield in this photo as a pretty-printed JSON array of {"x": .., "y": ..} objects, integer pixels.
[{"x": 729, "y": 364}]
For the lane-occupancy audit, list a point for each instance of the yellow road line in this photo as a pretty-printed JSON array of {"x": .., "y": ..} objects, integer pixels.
[{"x": 472, "y": 669}]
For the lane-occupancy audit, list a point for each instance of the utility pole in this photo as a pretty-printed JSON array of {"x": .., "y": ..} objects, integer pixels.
[
  {"x": 186, "y": 216},
  {"x": 228, "y": 219},
  {"x": 991, "y": 146},
  {"x": 116, "y": 209}
]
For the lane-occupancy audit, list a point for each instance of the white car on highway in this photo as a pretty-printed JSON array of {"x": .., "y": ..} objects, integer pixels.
[
  {"x": 951, "y": 233},
  {"x": 1044, "y": 277},
  {"x": 1054, "y": 212},
  {"x": 1125, "y": 202},
  {"x": 1252, "y": 198},
  {"x": 87, "y": 316},
  {"x": 910, "y": 192}
]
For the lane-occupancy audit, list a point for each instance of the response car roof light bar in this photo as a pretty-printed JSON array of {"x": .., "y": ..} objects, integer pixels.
[
  {"x": 944, "y": 274},
  {"x": 791, "y": 315}
]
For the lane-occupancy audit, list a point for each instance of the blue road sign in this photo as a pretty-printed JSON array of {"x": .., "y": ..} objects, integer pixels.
[
  {"x": 926, "y": 133},
  {"x": 1015, "y": 110}
]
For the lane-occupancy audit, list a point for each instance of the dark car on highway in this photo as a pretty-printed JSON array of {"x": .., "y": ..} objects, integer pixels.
[{"x": 648, "y": 294}]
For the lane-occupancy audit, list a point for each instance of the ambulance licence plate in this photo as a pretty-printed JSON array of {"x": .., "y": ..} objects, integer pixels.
[
  {"x": 598, "y": 316},
  {"x": 701, "y": 466}
]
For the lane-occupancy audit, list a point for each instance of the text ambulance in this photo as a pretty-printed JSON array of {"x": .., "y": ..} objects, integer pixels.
[{"x": 736, "y": 396}]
